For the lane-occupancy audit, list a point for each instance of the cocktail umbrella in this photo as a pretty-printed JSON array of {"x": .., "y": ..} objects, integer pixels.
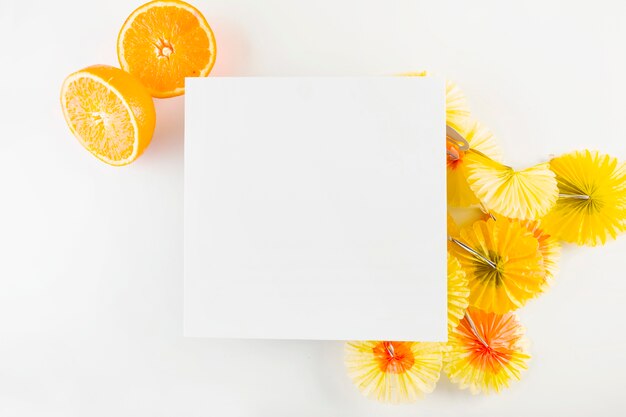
[
  {"x": 503, "y": 263},
  {"x": 486, "y": 351},
  {"x": 394, "y": 371},
  {"x": 457, "y": 110},
  {"x": 527, "y": 194},
  {"x": 548, "y": 245},
  {"x": 592, "y": 198}
]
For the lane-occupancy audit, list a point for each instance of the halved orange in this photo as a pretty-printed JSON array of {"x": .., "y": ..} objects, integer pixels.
[
  {"x": 110, "y": 113},
  {"x": 164, "y": 41}
]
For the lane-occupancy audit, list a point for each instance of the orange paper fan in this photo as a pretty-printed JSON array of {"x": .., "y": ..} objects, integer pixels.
[{"x": 486, "y": 351}]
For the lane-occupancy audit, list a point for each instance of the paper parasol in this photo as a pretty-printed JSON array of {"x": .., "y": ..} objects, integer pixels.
[
  {"x": 549, "y": 246},
  {"x": 503, "y": 263},
  {"x": 486, "y": 351},
  {"x": 592, "y": 198},
  {"x": 394, "y": 371},
  {"x": 527, "y": 194}
]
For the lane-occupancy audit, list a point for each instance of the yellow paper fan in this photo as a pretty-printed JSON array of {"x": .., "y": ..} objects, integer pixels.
[
  {"x": 480, "y": 139},
  {"x": 503, "y": 263},
  {"x": 549, "y": 246},
  {"x": 456, "y": 104},
  {"x": 527, "y": 194},
  {"x": 486, "y": 351},
  {"x": 592, "y": 202},
  {"x": 394, "y": 371},
  {"x": 458, "y": 292}
]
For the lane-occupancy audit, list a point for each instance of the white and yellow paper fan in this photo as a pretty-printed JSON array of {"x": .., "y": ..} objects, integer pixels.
[
  {"x": 394, "y": 372},
  {"x": 526, "y": 195},
  {"x": 479, "y": 138}
]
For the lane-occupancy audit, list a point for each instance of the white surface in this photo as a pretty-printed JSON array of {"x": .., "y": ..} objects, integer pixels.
[
  {"x": 101, "y": 334},
  {"x": 301, "y": 202}
]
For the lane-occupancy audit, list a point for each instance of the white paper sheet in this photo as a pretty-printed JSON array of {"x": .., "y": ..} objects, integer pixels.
[{"x": 315, "y": 208}]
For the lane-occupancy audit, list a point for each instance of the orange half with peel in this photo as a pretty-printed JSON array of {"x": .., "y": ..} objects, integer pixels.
[
  {"x": 110, "y": 113},
  {"x": 164, "y": 41}
]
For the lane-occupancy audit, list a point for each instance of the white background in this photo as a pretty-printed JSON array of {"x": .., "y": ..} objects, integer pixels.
[{"x": 91, "y": 256}]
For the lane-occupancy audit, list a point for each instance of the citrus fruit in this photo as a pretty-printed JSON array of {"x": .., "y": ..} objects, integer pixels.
[
  {"x": 164, "y": 41},
  {"x": 110, "y": 113}
]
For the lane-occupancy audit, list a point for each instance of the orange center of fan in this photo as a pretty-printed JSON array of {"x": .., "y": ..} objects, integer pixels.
[
  {"x": 394, "y": 357},
  {"x": 485, "y": 350},
  {"x": 455, "y": 155},
  {"x": 488, "y": 357}
]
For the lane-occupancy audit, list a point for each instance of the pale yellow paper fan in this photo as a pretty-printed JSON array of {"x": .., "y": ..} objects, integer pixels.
[
  {"x": 394, "y": 372},
  {"x": 458, "y": 292},
  {"x": 479, "y": 138},
  {"x": 457, "y": 111},
  {"x": 526, "y": 195}
]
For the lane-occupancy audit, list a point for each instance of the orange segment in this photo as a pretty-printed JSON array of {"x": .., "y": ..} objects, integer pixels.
[
  {"x": 164, "y": 41},
  {"x": 110, "y": 113}
]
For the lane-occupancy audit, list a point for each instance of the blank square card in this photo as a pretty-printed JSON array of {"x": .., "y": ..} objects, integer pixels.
[{"x": 315, "y": 208}]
